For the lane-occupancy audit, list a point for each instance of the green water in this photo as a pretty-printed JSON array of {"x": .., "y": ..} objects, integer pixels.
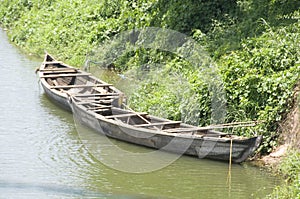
[{"x": 42, "y": 155}]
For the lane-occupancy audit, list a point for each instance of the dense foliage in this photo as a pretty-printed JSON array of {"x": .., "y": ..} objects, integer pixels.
[{"x": 254, "y": 43}]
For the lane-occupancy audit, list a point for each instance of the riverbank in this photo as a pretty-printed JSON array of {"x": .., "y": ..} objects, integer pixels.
[
  {"x": 254, "y": 47},
  {"x": 285, "y": 159},
  {"x": 290, "y": 138}
]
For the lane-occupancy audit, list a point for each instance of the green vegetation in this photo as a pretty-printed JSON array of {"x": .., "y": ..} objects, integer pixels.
[
  {"x": 254, "y": 43},
  {"x": 290, "y": 167}
]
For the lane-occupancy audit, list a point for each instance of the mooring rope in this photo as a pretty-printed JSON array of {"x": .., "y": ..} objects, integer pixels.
[{"x": 229, "y": 168}]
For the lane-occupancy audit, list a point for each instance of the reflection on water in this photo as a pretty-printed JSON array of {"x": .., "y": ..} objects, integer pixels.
[
  {"x": 33, "y": 189},
  {"x": 42, "y": 155},
  {"x": 187, "y": 177}
]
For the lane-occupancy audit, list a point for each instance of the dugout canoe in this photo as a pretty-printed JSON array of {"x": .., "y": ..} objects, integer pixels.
[{"x": 100, "y": 106}]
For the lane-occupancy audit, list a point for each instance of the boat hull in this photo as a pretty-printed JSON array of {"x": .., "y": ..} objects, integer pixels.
[
  {"x": 79, "y": 82},
  {"x": 59, "y": 99},
  {"x": 206, "y": 147}
]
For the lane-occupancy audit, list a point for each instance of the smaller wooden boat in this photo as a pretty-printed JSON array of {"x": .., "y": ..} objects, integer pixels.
[
  {"x": 60, "y": 80},
  {"x": 100, "y": 106}
]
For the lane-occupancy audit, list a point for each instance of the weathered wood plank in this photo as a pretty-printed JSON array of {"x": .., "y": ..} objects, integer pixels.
[
  {"x": 97, "y": 94},
  {"x": 81, "y": 86},
  {"x": 178, "y": 130},
  {"x": 94, "y": 102},
  {"x": 96, "y": 97},
  {"x": 158, "y": 123},
  {"x": 64, "y": 75},
  {"x": 125, "y": 115},
  {"x": 57, "y": 69},
  {"x": 99, "y": 108}
]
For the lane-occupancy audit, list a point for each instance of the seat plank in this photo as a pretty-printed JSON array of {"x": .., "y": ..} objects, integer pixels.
[
  {"x": 64, "y": 75},
  {"x": 82, "y": 86},
  {"x": 57, "y": 69},
  {"x": 99, "y": 108},
  {"x": 93, "y": 102},
  {"x": 97, "y": 95},
  {"x": 125, "y": 115},
  {"x": 108, "y": 97},
  {"x": 158, "y": 123},
  {"x": 179, "y": 130}
]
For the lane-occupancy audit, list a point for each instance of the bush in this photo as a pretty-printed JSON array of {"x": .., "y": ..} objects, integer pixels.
[{"x": 260, "y": 80}]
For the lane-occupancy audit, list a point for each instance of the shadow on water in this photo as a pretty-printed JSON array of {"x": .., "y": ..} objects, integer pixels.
[
  {"x": 47, "y": 189},
  {"x": 61, "y": 191},
  {"x": 53, "y": 109}
]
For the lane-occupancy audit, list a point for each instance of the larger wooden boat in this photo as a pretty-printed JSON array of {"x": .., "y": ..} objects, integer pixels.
[{"x": 99, "y": 106}]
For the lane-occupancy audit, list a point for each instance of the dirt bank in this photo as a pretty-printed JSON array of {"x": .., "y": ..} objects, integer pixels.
[{"x": 290, "y": 137}]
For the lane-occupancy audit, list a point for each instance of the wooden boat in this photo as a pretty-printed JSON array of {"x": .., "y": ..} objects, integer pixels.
[
  {"x": 60, "y": 80},
  {"x": 103, "y": 110}
]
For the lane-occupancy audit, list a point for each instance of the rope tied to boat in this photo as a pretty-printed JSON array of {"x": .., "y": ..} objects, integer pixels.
[
  {"x": 229, "y": 168},
  {"x": 121, "y": 99}
]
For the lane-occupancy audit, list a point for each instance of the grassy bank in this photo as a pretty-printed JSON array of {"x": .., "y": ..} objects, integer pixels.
[
  {"x": 290, "y": 168},
  {"x": 254, "y": 45}
]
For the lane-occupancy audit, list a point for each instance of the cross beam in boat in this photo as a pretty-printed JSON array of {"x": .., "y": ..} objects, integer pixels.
[
  {"x": 82, "y": 86},
  {"x": 158, "y": 123},
  {"x": 57, "y": 69},
  {"x": 100, "y": 111},
  {"x": 93, "y": 102},
  {"x": 125, "y": 115},
  {"x": 94, "y": 98},
  {"x": 95, "y": 108},
  {"x": 65, "y": 75},
  {"x": 97, "y": 95},
  {"x": 192, "y": 129}
]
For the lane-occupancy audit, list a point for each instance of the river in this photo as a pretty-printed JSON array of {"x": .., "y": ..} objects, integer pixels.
[{"x": 43, "y": 156}]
